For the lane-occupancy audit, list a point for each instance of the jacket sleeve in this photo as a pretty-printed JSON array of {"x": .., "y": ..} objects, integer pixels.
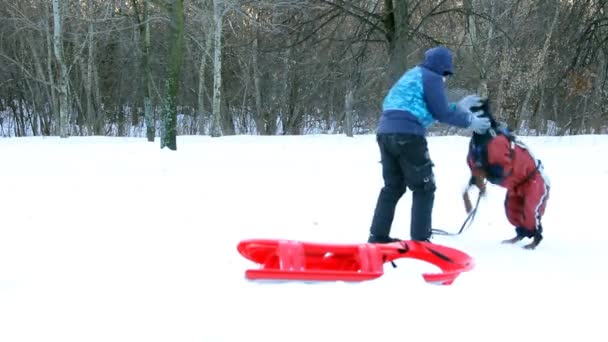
[
  {"x": 437, "y": 102},
  {"x": 499, "y": 154}
]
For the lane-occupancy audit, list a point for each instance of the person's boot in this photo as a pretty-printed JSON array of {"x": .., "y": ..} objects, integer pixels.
[
  {"x": 381, "y": 239},
  {"x": 522, "y": 233},
  {"x": 538, "y": 237}
]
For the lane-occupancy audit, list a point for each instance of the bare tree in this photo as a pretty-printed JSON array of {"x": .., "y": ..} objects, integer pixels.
[
  {"x": 290, "y": 66},
  {"x": 168, "y": 136},
  {"x": 143, "y": 21},
  {"x": 218, "y": 18},
  {"x": 62, "y": 82}
]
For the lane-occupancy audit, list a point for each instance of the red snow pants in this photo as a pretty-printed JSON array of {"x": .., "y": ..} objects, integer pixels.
[{"x": 525, "y": 204}]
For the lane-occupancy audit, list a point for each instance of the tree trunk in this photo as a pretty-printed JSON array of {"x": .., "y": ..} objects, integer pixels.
[
  {"x": 504, "y": 68},
  {"x": 397, "y": 26},
  {"x": 483, "y": 84},
  {"x": 96, "y": 116},
  {"x": 218, "y": 14},
  {"x": 169, "y": 116},
  {"x": 475, "y": 47},
  {"x": 201, "y": 82},
  {"x": 39, "y": 100},
  {"x": 598, "y": 88},
  {"x": 144, "y": 30},
  {"x": 49, "y": 66},
  {"x": 536, "y": 77},
  {"x": 472, "y": 28},
  {"x": 148, "y": 113},
  {"x": 348, "y": 113},
  {"x": 62, "y": 83},
  {"x": 261, "y": 121}
]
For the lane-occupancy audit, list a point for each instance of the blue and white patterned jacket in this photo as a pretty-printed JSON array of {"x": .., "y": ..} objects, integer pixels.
[{"x": 418, "y": 98}]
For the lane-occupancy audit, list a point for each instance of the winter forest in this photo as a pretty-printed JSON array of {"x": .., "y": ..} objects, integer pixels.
[{"x": 161, "y": 68}]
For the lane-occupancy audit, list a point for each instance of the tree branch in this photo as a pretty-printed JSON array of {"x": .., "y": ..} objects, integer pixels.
[{"x": 361, "y": 15}]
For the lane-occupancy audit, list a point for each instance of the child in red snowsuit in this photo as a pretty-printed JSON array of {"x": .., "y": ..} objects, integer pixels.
[{"x": 499, "y": 157}]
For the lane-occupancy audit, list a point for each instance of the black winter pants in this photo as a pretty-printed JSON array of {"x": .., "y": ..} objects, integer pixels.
[{"x": 405, "y": 164}]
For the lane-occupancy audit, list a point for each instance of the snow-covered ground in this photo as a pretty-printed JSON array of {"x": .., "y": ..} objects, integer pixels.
[{"x": 110, "y": 239}]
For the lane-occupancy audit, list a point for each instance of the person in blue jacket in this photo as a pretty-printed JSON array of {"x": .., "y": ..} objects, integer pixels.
[{"x": 417, "y": 100}]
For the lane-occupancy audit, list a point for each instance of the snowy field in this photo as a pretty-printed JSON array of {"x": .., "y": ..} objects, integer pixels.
[{"x": 110, "y": 239}]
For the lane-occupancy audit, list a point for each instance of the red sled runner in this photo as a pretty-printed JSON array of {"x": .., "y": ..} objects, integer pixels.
[{"x": 308, "y": 261}]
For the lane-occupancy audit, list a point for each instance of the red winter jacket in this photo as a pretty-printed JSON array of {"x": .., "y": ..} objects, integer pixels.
[{"x": 503, "y": 169}]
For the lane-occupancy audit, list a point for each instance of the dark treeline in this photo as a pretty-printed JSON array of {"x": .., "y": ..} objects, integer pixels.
[{"x": 222, "y": 67}]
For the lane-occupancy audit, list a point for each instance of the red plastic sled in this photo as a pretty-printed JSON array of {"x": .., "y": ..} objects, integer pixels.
[{"x": 296, "y": 260}]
